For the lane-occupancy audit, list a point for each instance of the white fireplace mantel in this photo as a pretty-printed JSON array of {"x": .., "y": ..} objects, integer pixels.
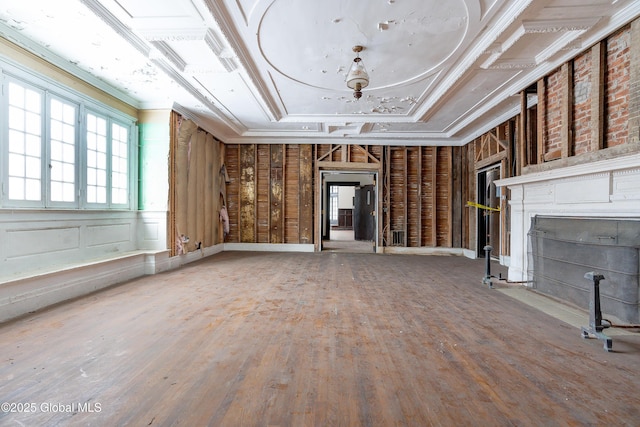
[{"x": 604, "y": 188}]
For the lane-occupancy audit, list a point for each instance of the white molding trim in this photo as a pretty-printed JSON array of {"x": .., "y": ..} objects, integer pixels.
[
  {"x": 593, "y": 168},
  {"x": 269, "y": 247},
  {"x": 424, "y": 250}
]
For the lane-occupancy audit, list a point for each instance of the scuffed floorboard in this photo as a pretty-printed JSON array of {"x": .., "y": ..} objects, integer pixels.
[{"x": 320, "y": 339}]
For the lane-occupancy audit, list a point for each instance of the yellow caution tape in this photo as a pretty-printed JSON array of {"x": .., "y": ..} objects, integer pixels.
[{"x": 479, "y": 206}]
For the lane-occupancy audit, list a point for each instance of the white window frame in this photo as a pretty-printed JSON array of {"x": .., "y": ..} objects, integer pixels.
[
  {"x": 47, "y": 143},
  {"x": 4, "y": 109},
  {"x": 12, "y": 72}
]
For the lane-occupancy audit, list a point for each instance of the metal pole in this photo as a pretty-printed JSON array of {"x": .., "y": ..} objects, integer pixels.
[{"x": 487, "y": 266}]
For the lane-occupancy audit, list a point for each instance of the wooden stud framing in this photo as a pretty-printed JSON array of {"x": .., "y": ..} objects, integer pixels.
[
  {"x": 522, "y": 135},
  {"x": 542, "y": 113},
  {"x": 567, "y": 109},
  {"x": 247, "y": 208},
  {"x": 598, "y": 68},
  {"x": 419, "y": 197},
  {"x": 276, "y": 224},
  {"x": 306, "y": 194}
]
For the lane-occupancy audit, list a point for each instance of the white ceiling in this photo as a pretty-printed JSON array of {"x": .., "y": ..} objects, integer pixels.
[{"x": 272, "y": 71}]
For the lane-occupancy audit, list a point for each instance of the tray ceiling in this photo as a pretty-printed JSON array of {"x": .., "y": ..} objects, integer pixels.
[{"x": 273, "y": 71}]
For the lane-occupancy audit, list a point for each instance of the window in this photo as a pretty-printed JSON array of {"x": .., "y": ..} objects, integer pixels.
[
  {"x": 62, "y": 150},
  {"x": 25, "y": 141},
  {"x": 333, "y": 212},
  {"x": 119, "y": 164},
  {"x": 62, "y": 157},
  {"x": 96, "y": 159}
]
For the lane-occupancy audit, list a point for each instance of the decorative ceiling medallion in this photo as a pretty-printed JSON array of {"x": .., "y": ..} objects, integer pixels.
[{"x": 312, "y": 48}]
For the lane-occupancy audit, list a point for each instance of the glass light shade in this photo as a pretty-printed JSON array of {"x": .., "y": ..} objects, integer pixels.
[{"x": 357, "y": 74}]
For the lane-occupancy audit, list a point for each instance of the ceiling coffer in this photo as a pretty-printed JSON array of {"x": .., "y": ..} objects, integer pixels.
[{"x": 357, "y": 78}]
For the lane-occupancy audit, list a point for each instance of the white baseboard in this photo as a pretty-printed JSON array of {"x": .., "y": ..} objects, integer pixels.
[
  {"x": 269, "y": 247},
  {"x": 423, "y": 250}
]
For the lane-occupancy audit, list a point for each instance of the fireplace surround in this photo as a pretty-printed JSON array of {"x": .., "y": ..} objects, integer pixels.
[{"x": 586, "y": 213}]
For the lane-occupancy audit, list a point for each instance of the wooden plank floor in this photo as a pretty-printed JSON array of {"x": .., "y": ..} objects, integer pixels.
[{"x": 321, "y": 339}]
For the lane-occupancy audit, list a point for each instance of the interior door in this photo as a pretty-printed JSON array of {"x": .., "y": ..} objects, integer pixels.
[
  {"x": 364, "y": 220},
  {"x": 488, "y": 219}
]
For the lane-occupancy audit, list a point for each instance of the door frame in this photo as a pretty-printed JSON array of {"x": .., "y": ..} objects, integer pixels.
[
  {"x": 321, "y": 205},
  {"x": 479, "y": 251}
]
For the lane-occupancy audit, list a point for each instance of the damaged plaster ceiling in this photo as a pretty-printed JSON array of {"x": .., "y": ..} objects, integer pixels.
[{"x": 273, "y": 71}]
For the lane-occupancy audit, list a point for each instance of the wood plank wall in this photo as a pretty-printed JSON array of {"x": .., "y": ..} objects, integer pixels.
[
  {"x": 422, "y": 197},
  {"x": 270, "y": 194},
  {"x": 424, "y": 191}
]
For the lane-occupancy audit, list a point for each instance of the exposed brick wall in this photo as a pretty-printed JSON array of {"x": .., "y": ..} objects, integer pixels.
[
  {"x": 634, "y": 72},
  {"x": 582, "y": 103},
  {"x": 617, "y": 88},
  {"x": 553, "y": 128}
]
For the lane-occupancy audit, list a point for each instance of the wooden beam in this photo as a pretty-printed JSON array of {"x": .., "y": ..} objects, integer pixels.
[
  {"x": 348, "y": 166},
  {"x": 276, "y": 189},
  {"x": 419, "y": 196},
  {"x": 406, "y": 196},
  {"x": 449, "y": 176},
  {"x": 522, "y": 134},
  {"x": 306, "y": 193},
  {"x": 598, "y": 70},
  {"x": 387, "y": 192},
  {"x": 247, "y": 208},
  {"x": 566, "y": 109},
  {"x": 542, "y": 114},
  {"x": 456, "y": 197},
  {"x": 434, "y": 196}
]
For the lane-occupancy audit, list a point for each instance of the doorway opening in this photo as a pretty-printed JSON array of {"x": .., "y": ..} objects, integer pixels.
[
  {"x": 348, "y": 208},
  {"x": 488, "y": 217}
]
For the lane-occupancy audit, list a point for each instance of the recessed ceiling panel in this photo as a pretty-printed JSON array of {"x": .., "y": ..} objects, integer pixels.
[
  {"x": 302, "y": 100},
  {"x": 311, "y": 42},
  {"x": 233, "y": 94}
]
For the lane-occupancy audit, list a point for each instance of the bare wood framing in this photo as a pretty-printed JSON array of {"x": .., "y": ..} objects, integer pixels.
[
  {"x": 434, "y": 196},
  {"x": 276, "y": 195},
  {"x": 348, "y": 166},
  {"x": 306, "y": 194},
  {"x": 456, "y": 197},
  {"x": 567, "y": 109},
  {"x": 419, "y": 196},
  {"x": 406, "y": 196},
  {"x": 598, "y": 72},
  {"x": 247, "y": 223},
  {"x": 387, "y": 185},
  {"x": 449, "y": 177},
  {"x": 542, "y": 113},
  {"x": 522, "y": 134}
]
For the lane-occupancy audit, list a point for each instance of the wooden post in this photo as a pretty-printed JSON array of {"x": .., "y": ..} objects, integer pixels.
[
  {"x": 306, "y": 194},
  {"x": 406, "y": 198},
  {"x": 419, "y": 196},
  {"x": 276, "y": 232},
  {"x": 598, "y": 68},
  {"x": 247, "y": 215},
  {"x": 434, "y": 196},
  {"x": 542, "y": 114},
  {"x": 567, "y": 109},
  {"x": 522, "y": 135}
]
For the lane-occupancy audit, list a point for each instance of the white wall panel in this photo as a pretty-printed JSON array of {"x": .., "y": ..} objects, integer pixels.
[{"x": 37, "y": 241}]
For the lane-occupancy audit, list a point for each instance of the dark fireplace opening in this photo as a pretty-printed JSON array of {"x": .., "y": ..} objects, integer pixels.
[{"x": 563, "y": 249}]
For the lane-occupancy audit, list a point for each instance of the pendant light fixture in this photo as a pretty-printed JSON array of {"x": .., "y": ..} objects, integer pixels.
[{"x": 357, "y": 78}]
